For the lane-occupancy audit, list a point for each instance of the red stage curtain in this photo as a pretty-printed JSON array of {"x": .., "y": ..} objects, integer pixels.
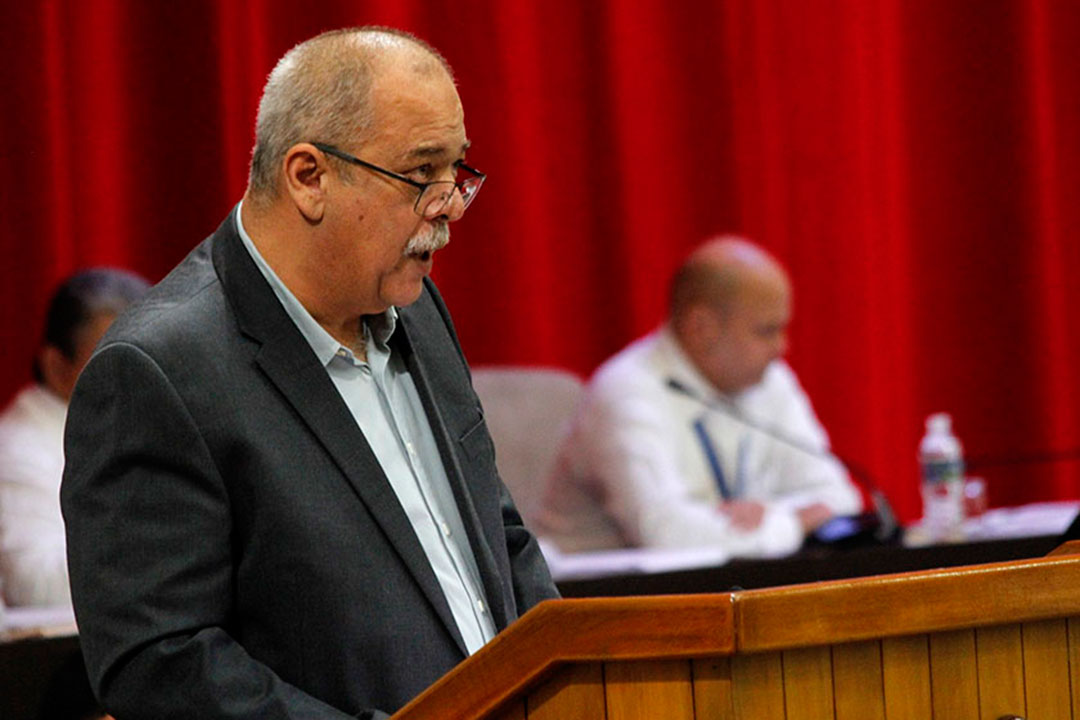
[{"x": 914, "y": 163}]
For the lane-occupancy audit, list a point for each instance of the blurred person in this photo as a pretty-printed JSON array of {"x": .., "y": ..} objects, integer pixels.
[
  {"x": 33, "y": 563},
  {"x": 675, "y": 444},
  {"x": 281, "y": 496}
]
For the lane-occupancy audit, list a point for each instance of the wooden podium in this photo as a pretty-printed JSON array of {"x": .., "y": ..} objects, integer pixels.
[{"x": 979, "y": 642}]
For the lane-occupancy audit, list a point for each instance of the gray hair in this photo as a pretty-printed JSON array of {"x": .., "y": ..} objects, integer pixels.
[{"x": 320, "y": 92}]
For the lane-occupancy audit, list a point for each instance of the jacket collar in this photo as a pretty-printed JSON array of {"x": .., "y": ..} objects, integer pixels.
[{"x": 287, "y": 359}]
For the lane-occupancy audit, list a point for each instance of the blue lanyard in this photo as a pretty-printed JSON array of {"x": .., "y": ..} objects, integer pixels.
[{"x": 714, "y": 461}]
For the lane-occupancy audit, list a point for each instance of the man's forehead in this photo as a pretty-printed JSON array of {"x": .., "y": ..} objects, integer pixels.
[
  {"x": 758, "y": 303},
  {"x": 423, "y": 116}
]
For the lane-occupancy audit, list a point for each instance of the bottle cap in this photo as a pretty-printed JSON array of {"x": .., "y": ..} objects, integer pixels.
[{"x": 939, "y": 423}]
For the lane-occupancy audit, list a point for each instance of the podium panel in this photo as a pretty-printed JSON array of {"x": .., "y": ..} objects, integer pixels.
[{"x": 977, "y": 642}]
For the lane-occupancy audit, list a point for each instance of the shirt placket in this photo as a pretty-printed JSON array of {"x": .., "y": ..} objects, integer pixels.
[{"x": 378, "y": 367}]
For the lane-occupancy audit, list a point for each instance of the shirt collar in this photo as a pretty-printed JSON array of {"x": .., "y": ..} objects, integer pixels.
[{"x": 380, "y": 326}]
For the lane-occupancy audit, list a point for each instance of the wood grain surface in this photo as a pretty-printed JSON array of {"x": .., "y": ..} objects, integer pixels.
[
  {"x": 1001, "y": 680},
  {"x": 1046, "y": 669},
  {"x": 905, "y": 676},
  {"x": 564, "y": 631},
  {"x": 964, "y": 643},
  {"x": 758, "y": 686},
  {"x": 907, "y": 603},
  {"x": 713, "y": 693},
  {"x": 647, "y": 689},
  {"x": 858, "y": 681},
  {"x": 573, "y": 692}
]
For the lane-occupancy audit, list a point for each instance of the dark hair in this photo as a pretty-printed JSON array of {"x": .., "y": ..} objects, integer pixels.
[{"x": 82, "y": 297}]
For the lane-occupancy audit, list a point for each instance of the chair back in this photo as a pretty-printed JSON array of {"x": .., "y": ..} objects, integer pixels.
[{"x": 528, "y": 410}]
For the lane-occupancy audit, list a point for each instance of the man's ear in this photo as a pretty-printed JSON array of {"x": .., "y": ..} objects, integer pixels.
[
  {"x": 703, "y": 326},
  {"x": 305, "y": 180}
]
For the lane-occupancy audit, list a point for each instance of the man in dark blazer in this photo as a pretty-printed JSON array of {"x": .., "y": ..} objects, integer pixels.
[{"x": 280, "y": 496}]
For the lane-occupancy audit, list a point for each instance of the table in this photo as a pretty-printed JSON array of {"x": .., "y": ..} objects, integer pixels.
[
  {"x": 812, "y": 564},
  {"x": 999, "y": 535}
]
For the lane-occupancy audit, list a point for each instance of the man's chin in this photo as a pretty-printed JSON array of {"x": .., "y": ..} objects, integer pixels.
[
  {"x": 403, "y": 294},
  {"x": 751, "y": 381}
]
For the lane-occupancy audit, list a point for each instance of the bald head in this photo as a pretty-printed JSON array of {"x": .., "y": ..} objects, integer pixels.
[
  {"x": 719, "y": 271},
  {"x": 321, "y": 90},
  {"x": 730, "y": 305}
]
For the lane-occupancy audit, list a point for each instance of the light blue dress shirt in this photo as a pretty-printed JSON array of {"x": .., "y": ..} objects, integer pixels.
[{"x": 383, "y": 400}]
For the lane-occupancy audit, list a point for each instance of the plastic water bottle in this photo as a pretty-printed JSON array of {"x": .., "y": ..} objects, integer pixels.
[{"x": 941, "y": 459}]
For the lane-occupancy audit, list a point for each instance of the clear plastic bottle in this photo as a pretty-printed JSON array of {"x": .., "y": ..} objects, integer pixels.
[{"x": 941, "y": 459}]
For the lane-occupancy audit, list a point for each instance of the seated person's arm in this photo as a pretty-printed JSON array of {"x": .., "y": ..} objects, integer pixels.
[
  {"x": 639, "y": 472},
  {"x": 33, "y": 563},
  {"x": 816, "y": 487}
]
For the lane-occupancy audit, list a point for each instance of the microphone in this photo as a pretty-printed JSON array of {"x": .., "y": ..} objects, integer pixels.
[{"x": 882, "y": 522}]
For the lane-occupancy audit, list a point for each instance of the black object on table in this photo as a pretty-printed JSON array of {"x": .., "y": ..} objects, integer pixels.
[{"x": 812, "y": 564}]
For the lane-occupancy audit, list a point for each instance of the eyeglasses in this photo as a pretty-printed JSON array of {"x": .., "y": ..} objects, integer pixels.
[{"x": 434, "y": 196}]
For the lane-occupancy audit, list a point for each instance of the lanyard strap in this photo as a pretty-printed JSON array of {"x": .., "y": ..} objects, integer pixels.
[{"x": 714, "y": 460}]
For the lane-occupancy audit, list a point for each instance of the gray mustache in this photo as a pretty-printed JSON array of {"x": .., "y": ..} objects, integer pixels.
[{"x": 429, "y": 242}]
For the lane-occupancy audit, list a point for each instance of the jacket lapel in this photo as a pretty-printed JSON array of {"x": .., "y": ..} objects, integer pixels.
[
  {"x": 430, "y": 384},
  {"x": 289, "y": 362}
]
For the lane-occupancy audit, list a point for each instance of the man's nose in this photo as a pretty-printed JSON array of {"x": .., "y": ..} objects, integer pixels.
[{"x": 455, "y": 208}]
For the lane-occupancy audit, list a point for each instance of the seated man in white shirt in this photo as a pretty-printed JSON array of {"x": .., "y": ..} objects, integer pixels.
[
  {"x": 699, "y": 433},
  {"x": 33, "y": 563}
]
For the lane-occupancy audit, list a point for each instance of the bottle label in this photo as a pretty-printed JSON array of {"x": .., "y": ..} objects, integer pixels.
[{"x": 940, "y": 471}]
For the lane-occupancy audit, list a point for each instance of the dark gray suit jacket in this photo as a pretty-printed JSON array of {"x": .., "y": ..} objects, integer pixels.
[{"x": 235, "y": 549}]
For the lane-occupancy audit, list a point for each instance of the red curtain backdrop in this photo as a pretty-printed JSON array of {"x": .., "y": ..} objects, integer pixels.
[{"x": 913, "y": 162}]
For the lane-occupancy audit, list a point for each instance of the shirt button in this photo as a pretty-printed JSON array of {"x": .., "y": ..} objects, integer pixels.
[
  {"x": 480, "y": 606},
  {"x": 445, "y": 529}
]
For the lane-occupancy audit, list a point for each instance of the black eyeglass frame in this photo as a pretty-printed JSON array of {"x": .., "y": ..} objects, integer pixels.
[{"x": 422, "y": 187}]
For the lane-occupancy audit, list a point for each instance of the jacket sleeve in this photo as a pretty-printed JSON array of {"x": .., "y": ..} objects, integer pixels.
[
  {"x": 531, "y": 577},
  {"x": 150, "y": 557}
]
